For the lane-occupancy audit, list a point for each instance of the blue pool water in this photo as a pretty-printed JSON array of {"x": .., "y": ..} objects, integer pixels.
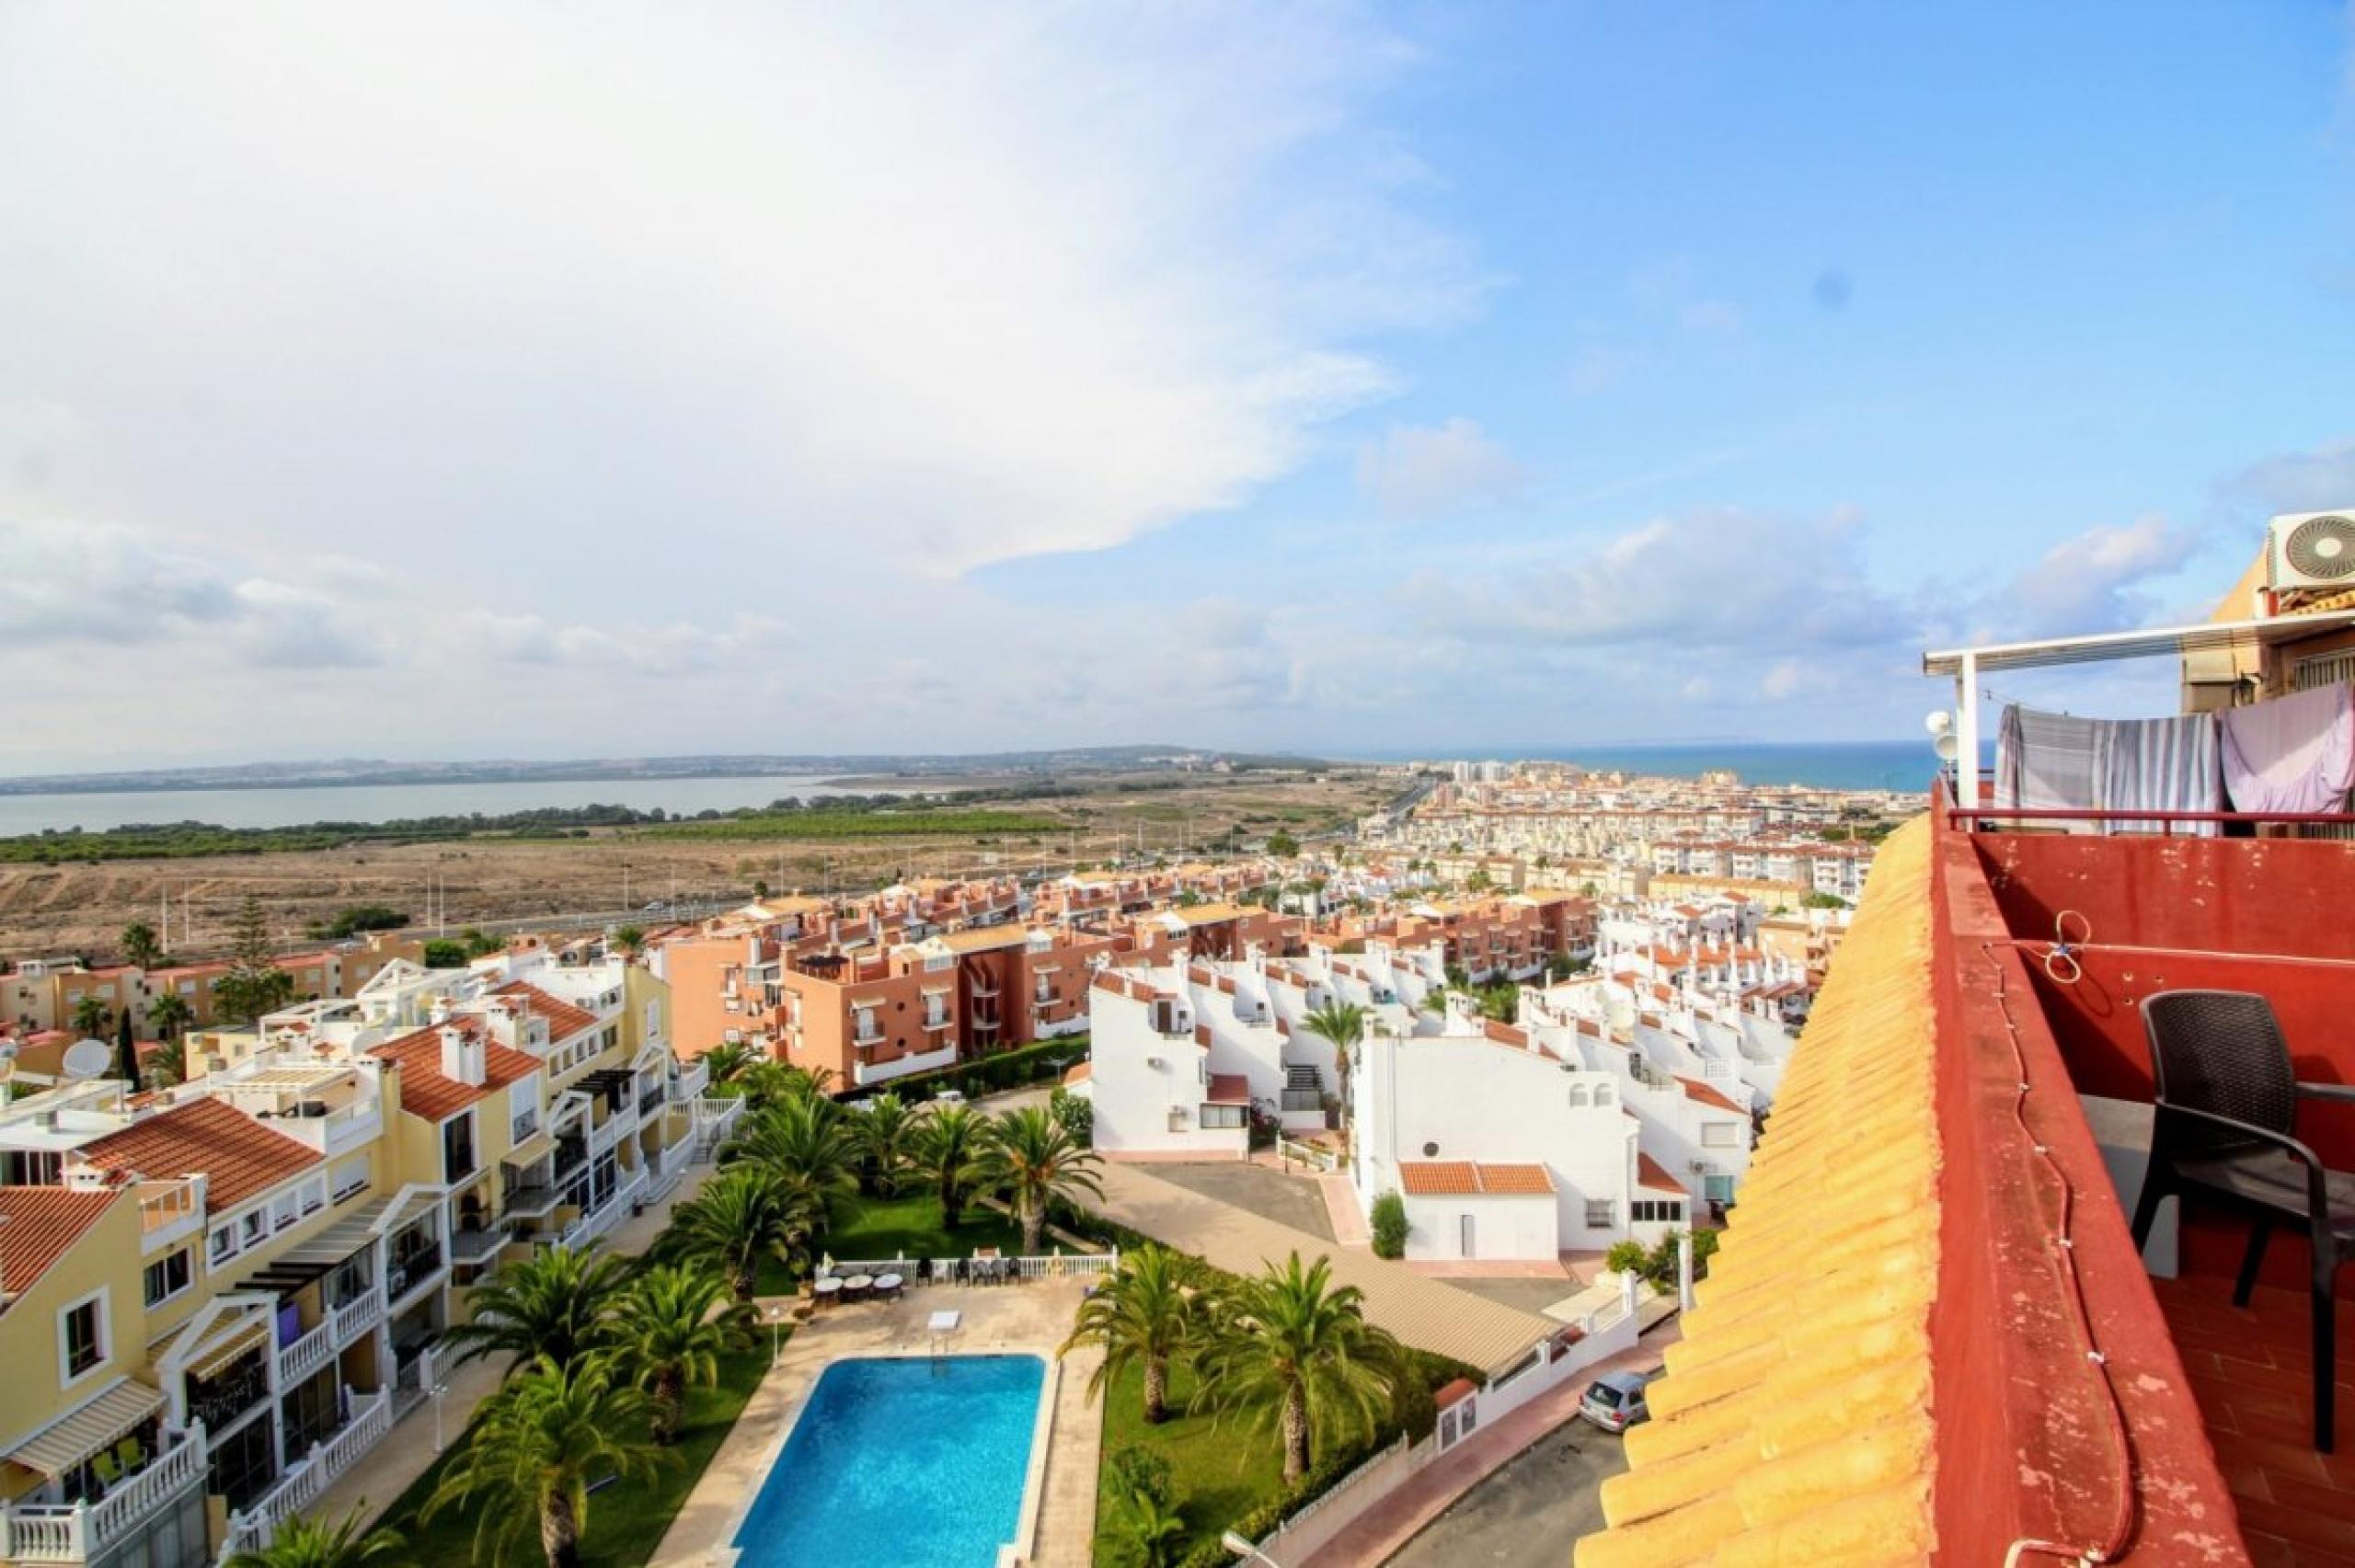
[{"x": 904, "y": 1463}]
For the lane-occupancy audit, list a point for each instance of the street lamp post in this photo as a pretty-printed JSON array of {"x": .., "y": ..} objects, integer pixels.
[{"x": 439, "y": 1390}]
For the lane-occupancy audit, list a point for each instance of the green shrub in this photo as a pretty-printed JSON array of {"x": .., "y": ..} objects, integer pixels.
[
  {"x": 1626, "y": 1257},
  {"x": 1075, "y": 1113},
  {"x": 1389, "y": 1222}
]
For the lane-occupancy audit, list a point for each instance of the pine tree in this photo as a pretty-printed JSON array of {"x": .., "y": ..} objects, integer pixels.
[
  {"x": 253, "y": 985},
  {"x": 126, "y": 1051}
]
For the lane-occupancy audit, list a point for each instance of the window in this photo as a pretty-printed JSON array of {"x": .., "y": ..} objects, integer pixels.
[
  {"x": 252, "y": 1226},
  {"x": 1578, "y": 1094},
  {"x": 1649, "y": 1211},
  {"x": 82, "y": 1337},
  {"x": 283, "y": 1211},
  {"x": 458, "y": 1147},
  {"x": 350, "y": 1175},
  {"x": 222, "y": 1245},
  {"x": 1719, "y": 1135},
  {"x": 315, "y": 1195},
  {"x": 1603, "y": 1094},
  {"x": 167, "y": 1276},
  {"x": 1223, "y": 1116},
  {"x": 1601, "y": 1213}
]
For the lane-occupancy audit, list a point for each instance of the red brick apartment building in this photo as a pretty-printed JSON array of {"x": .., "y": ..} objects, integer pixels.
[
  {"x": 1929, "y": 1334},
  {"x": 1489, "y": 939}
]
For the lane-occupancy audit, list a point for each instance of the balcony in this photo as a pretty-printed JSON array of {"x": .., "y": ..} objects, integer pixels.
[
  {"x": 310, "y": 1476},
  {"x": 412, "y": 1275},
  {"x": 218, "y": 1403},
  {"x": 691, "y": 1080},
  {"x": 78, "y": 1532},
  {"x": 169, "y": 1212},
  {"x": 474, "y": 1248}
]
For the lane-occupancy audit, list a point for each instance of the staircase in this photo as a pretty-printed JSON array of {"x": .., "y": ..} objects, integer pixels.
[{"x": 1304, "y": 1089}]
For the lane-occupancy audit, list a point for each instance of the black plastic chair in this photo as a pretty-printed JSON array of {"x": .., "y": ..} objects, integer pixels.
[{"x": 2226, "y": 1110}]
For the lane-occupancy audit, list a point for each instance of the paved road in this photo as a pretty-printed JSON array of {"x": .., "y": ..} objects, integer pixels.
[
  {"x": 1426, "y": 1312},
  {"x": 1288, "y": 1200},
  {"x": 1526, "y": 1514}
]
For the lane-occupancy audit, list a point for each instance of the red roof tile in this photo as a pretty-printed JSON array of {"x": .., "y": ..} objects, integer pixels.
[
  {"x": 41, "y": 1223},
  {"x": 563, "y": 1019},
  {"x": 426, "y": 1093},
  {"x": 1465, "y": 1178},
  {"x": 1696, "y": 1089},
  {"x": 238, "y": 1156},
  {"x": 1654, "y": 1177}
]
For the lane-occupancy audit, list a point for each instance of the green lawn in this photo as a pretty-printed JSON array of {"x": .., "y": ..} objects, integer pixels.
[
  {"x": 909, "y": 1226},
  {"x": 626, "y": 1521},
  {"x": 1219, "y": 1472}
]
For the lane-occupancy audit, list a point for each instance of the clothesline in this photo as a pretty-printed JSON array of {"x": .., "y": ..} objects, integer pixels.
[{"x": 2291, "y": 754}]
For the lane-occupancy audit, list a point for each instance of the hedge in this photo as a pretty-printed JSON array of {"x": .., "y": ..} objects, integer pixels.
[{"x": 1001, "y": 1070}]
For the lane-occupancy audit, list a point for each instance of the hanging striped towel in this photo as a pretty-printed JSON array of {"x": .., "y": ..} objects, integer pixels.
[{"x": 2163, "y": 764}]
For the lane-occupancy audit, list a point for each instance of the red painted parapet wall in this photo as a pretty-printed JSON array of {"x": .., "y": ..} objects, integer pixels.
[
  {"x": 2027, "y": 1443},
  {"x": 2272, "y": 916}
]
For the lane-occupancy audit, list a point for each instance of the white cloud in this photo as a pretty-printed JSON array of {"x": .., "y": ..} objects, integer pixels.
[
  {"x": 2314, "y": 480},
  {"x": 1715, "y": 579},
  {"x": 1416, "y": 471},
  {"x": 899, "y": 288}
]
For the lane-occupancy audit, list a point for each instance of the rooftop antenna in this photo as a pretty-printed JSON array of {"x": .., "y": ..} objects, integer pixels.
[{"x": 86, "y": 1059}]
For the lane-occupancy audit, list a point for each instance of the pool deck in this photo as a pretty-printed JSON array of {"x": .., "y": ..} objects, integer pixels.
[{"x": 1000, "y": 1319}]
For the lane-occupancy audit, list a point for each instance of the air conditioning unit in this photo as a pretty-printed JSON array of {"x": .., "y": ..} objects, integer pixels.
[{"x": 2311, "y": 550}]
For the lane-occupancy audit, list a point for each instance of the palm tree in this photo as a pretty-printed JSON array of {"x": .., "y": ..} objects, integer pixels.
[
  {"x": 1030, "y": 1154},
  {"x": 885, "y": 1132},
  {"x": 169, "y": 1014},
  {"x": 803, "y": 1143},
  {"x": 672, "y": 1328},
  {"x": 948, "y": 1151},
  {"x": 630, "y": 940},
  {"x": 298, "y": 1543},
  {"x": 167, "y": 1064},
  {"x": 537, "y": 1446},
  {"x": 1343, "y": 1025},
  {"x": 1142, "y": 1316},
  {"x": 557, "y": 1306},
  {"x": 91, "y": 1016},
  {"x": 1286, "y": 1346},
  {"x": 742, "y": 1215},
  {"x": 727, "y": 1060},
  {"x": 765, "y": 1083},
  {"x": 140, "y": 946}
]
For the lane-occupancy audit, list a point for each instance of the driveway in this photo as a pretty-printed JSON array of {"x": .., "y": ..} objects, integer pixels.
[
  {"x": 1526, "y": 1514},
  {"x": 1288, "y": 1200}
]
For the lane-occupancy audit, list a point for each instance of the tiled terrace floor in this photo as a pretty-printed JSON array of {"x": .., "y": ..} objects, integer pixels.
[{"x": 2252, "y": 1371}]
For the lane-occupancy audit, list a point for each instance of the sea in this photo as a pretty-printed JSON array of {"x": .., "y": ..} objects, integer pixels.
[
  {"x": 1902, "y": 765},
  {"x": 294, "y": 807}
]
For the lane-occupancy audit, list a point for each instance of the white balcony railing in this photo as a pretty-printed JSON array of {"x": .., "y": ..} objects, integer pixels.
[
  {"x": 169, "y": 1212},
  {"x": 80, "y": 1531},
  {"x": 306, "y": 1355},
  {"x": 308, "y": 1478},
  {"x": 692, "y": 1080},
  {"x": 355, "y": 1318}
]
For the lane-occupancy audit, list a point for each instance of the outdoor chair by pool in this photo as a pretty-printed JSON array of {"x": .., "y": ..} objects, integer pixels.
[{"x": 2225, "y": 1126}]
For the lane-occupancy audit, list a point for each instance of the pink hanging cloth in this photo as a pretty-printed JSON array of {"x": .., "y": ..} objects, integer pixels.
[{"x": 2295, "y": 753}]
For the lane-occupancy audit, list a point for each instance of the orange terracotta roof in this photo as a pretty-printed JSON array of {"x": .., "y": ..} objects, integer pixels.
[
  {"x": 1694, "y": 1089},
  {"x": 1467, "y": 1178},
  {"x": 1228, "y": 1088},
  {"x": 563, "y": 1019},
  {"x": 238, "y": 1156},
  {"x": 1782, "y": 1436},
  {"x": 426, "y": 1093},
  {"x": 1654, "y": 1177},
  {"x": 42, "y": 1223},
  {"x": 1079, "y": 1072}
]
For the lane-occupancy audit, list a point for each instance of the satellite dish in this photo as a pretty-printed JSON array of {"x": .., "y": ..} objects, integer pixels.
[
  {"x": 1946, "y": 747},
  {"x": 86, "y": 1059}
]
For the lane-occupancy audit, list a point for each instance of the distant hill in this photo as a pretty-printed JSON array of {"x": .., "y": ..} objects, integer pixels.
[{"x": 1062, "y": 762}]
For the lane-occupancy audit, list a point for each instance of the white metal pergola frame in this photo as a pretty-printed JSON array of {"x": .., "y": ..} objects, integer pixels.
[{"x": 1968, "y": 664}]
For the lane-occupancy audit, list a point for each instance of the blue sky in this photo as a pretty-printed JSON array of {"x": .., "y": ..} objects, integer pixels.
[{"x": 505, "y": 380}]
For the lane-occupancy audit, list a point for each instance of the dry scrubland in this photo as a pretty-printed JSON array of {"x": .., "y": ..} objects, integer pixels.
[{"x": 76, "y": 907}]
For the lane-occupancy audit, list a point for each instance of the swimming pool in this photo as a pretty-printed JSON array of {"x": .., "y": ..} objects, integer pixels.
[{"x": 901, "y": 1462}]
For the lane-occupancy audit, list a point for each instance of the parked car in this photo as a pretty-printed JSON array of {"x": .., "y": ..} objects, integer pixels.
[{"x": 1615, "y": 1401}]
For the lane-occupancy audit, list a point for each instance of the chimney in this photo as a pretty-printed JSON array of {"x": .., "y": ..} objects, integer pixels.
[{"x": 462, "y": 1056}]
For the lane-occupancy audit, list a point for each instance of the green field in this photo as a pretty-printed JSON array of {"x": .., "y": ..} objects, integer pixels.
[
  {"x": 823, "y": 824},
  {"x": 1220, "y": 1471}
]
